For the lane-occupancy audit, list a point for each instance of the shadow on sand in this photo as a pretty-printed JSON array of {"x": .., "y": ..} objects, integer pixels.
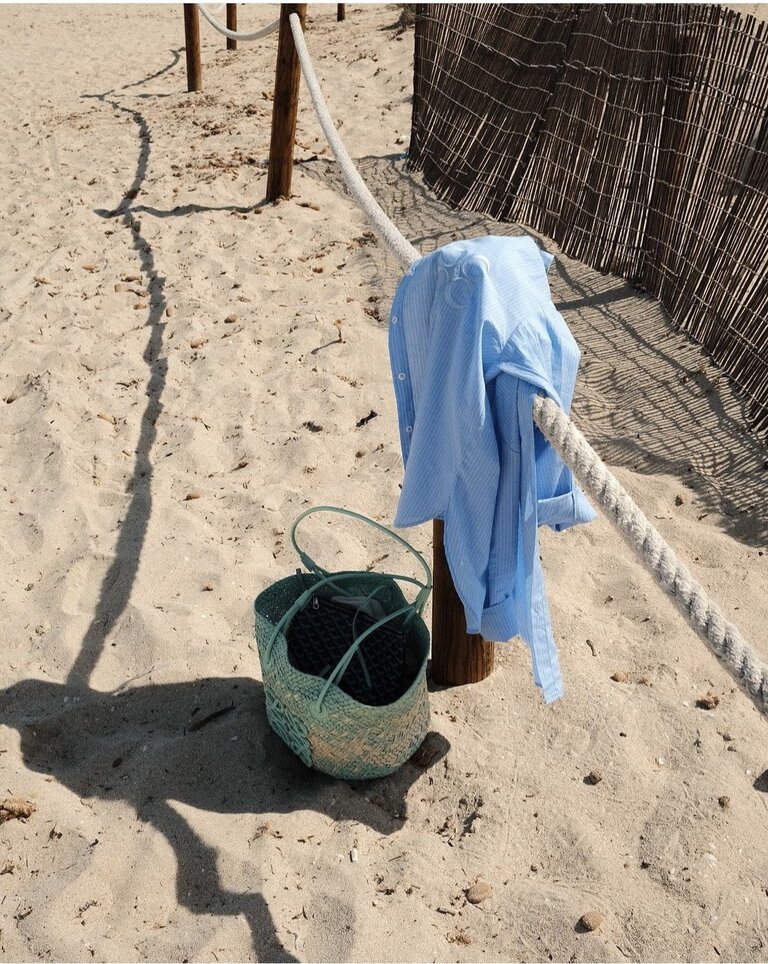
[
  {"x": 153, "y": 745},
  {"x": 141, "y": 746},
  {"x": 648, "y": 398}
]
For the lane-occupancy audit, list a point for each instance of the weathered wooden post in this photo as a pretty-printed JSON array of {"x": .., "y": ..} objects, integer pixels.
[
  {"x": 457, "y": 658},
  {"x": 341, "y": 11},
  {"x": 231, "y": 25},
  {"x": 192, "y": 44},
  {"x": 285, "y": 106}
]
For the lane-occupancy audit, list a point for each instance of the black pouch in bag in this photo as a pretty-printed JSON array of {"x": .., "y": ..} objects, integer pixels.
[{"x": 322, "y": 632}]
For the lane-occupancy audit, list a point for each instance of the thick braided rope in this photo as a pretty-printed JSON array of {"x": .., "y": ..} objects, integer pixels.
[
  {"x": 722, "y": 637},
  {"x": 233, "y": 34},
  {"x": 357, "y": 188}
]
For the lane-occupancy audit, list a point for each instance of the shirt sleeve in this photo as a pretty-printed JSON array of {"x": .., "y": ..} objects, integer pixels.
[{"x": 452, "y": 468}]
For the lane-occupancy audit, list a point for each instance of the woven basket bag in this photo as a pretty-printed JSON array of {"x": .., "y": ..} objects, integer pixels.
[{"x": 325, "y": 726}]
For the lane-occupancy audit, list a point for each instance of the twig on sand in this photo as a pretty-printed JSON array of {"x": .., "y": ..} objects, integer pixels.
[{"x": 205, "y": 720}]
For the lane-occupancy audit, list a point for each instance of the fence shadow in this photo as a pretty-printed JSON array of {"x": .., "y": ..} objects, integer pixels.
[
  {"x": 675, "y": 414},
  {"x": 598, "y": 128}
]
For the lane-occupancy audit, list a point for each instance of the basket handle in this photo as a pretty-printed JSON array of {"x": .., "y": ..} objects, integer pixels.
[
  {"x": 416, "y": 607},
  {"x": 310, "y": 564}
]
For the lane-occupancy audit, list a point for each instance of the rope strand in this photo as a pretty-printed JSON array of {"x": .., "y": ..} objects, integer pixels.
[
  {"x": 404, "y": 250},
  {"x": 233, "y": 34},
  {"x": 721, "y": 636}
]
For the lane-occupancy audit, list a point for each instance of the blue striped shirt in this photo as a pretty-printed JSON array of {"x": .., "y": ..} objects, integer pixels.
[{"x": 473, "y": 338}]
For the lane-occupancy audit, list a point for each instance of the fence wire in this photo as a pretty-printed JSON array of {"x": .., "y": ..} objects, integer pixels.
[{"x": 634, "y": 135}]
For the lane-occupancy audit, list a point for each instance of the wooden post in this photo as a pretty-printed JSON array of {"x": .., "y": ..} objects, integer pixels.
[
  {"x": 456, "y": 657},
  {"x": 285, "y": 106},
  {"x": 341, "y": 11},
  {"x": 192, "y": 44},
  {"x": 231, "y": 24}
]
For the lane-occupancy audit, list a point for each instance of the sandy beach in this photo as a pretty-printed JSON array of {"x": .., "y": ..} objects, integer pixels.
[{"x": 183, "y": 369}]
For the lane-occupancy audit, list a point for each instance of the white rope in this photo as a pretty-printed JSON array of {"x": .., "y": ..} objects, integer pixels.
[
  {"x": 233, "y": 34},
  {"x": 720, "y": 635},
  {"x": 404, "y": 250}
]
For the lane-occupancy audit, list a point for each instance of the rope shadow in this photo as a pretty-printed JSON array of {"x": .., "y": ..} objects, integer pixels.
[
  {"x": 140, "y": 745},
  {"x": 197, "y": 883},
  {"x": 176, "y": 57},
  {"x": 180, "y": 211},
  {"x": 118, "y": 582}
]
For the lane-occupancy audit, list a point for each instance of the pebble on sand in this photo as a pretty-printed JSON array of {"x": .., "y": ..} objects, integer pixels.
[
  {"x": 591, "y": 921},
  {"x": 593, "y": 777},
  {"x": 479, "y": 891},
  {"x": 429, "y": 752},
  {"x": 708, "y": 702},
  {"x": 619, "y": 677}
]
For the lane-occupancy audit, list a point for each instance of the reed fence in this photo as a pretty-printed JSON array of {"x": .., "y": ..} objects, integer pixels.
[{"x": 634, "y": 135}]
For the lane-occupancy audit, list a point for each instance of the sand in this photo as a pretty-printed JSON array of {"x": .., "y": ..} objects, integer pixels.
[{"x": 181, "y": 375}]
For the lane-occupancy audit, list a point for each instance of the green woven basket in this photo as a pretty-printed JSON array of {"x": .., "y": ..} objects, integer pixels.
[{"x": 323, "y": 725}]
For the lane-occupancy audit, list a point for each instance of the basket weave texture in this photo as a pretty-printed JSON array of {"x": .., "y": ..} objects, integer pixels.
[{"x": 336, "y": 734}]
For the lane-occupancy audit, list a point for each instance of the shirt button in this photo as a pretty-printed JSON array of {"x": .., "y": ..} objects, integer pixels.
[
  {"x": 409, "y": 429},
  {"x": 401, "y": 376},
  {"x": 394, "y": 319}
]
